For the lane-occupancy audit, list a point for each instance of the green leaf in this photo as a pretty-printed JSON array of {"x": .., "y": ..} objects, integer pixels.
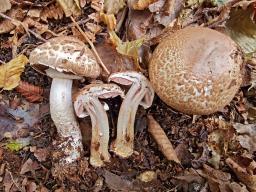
[
  {"x": 242, "y": 29},
  {"x": 18, "y": 144}
]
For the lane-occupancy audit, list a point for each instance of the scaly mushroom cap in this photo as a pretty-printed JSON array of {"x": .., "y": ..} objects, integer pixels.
[
  {"x": 65, "y": 54},
  {"x": 102, "y": 91},
  {"x": 130, "y": 77},
  {"x": 196, "y": 70}
]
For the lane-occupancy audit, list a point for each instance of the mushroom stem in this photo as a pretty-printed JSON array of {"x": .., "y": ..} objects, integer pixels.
[
  {"x": 123, "y": 145},
  {"x": 100, "y": 132},
  {"x": 62, "y": 114}
]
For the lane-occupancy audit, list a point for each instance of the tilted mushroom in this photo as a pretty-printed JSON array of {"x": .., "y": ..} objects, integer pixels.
[
  {"x": 86, "y": 102},
  {"x": 64, "y": 59},
  {"x": 140, "y": 93},
  {"x": 196, "y": 70}
]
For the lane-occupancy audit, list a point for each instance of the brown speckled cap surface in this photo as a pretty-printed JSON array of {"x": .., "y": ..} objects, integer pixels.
[
  {"x": 196, "y": 70},
  {"x": 65, "y": 54}
]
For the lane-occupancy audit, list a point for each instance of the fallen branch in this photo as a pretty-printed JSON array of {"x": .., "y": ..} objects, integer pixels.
[{"x": 162, "y": 140}]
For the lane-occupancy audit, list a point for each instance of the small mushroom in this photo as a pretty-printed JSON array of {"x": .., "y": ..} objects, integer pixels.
[
  {"x": 86, "y": 102},
  {"x": 196, "y": 70},
  {"x": 64, "y": 59},
  {"x": 140, "y": 93}
]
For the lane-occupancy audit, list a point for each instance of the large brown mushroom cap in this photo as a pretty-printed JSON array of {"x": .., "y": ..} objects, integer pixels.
[
  {"x": 65, "y": 54},
  {"x": 196, "y": 70}
]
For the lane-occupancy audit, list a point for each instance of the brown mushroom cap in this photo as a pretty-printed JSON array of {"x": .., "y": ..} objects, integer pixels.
[
  {"x": 196, "y": 70},
  {"x": 65, "y": 54}
]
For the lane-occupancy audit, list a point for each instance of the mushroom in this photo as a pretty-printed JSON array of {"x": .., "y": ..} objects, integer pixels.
[
  {"x": 86, "y": 102},
  {"x": 64, "y": 59},
  {"x": 196, "y": 70},
  {"x": 140, "y": 93}
]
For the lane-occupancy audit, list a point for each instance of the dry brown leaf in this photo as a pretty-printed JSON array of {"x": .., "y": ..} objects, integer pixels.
[
  {"x": 113, "y": 6},
  {"x": 11, "y": 71},
  {"x": 70, "y": 7},
  {"x": 6, "y": 25},
  {"x": 95, "y": 17},
  {"x": 29, "y": 22},
  {"x": 41, "y": 154},
  {"x": 109, "y": 20},
  {"x": 97, "y": 5},
  {"x": 140, "y": 4},
  {"x": 31, "y": 92},
  {"x": 34, "y": 13},
  {"x": 138, "y": 23},
  {"x": 114, "y": 61},
  {"x": 54, "y": 11},
  {"x": 244, "y": 169},
  {"x": 147, "y": 176},
  {"x": 29, "y": 166},
  {"x": 5, "y": 5},
  {"x": 94, "y": 28},
  {"x": 162, "y": 140},
  {"x": 247, "y": 136}
]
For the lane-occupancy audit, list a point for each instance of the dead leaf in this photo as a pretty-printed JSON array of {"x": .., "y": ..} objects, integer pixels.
[
  {"x": 11, "y": 71},
  {"x": 31, "y": 187},
  {"x": 140, "y": 4},
  {"x": 117, "y": 183},
  {"x": 113, "y": 6},
  {"x": 138, "y": 23},
  {"x": 31, "y": 92},
  {"x": 70, "y": 7},
  {"x": 41, "y": 154},
  {"x": 97, "y": 5},
  {"x": 34, "y": 13},
  {"x": 6, "y": 25},
  {"x": 128, "y": 48},
  {"x": 54, "y": 11},
  {"x": 162, "y": 140},
  {"x": 94, "y": 28},
  {"x": 147, "y": 176},
  {"x": 244, "y": 169},
  {"x": 242, "y": 28},
  {"x": 7, "y": 182},
  {"x": 247, "y": 136},
  {"x": 29, "y": 166},
  {"x": 109, "y": 20},
  {"x": 5, "y": 5}
]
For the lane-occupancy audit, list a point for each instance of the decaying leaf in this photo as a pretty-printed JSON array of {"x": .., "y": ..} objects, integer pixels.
[
  {"x": 54, "y": 11},
  {"x": 128, "y": 48},
  {"x": 247, "y": 136},
  {"x": 117, "y": 183},
  {"x": 29, "y": 166},
  {"x": 41, "y": 154},
  {"x": 6, "y": 25},
  {"x": 245, "y": 170},
  {"x": 114, "y": 61},
  {"x": 11, "y": 71},
  {"x": 31, "y": 92},
  {"x": 242, "y": 28},
  {"x": 70, "y": 7},
  {"x": 98, "y": 5},
  {"x": 109, "y": 20},
  {"x": 162, "y": 140},
  {"x": 113, "y": 6},
  {"x": 147, "y": 176},
  {"x": 5, "y": 5},
  {"x": 140, "y": 4}
]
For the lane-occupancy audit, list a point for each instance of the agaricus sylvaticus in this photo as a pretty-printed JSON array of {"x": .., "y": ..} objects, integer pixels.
[
  {"x": 64, "y": 59},
  {"x": 196, "y": 70},
  {"x": 86, "y": 102},
  {"x": 140, "y": 93}
]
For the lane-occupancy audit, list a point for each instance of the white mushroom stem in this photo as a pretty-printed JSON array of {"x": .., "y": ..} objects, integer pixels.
[
  {"x": 123, "y": 145},
  {"x": 100, "y": 132},
  {"x": 62, "y": 114}
]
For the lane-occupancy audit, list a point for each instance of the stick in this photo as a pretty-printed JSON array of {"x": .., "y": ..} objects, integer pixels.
[{"x": 91, "y": 44}]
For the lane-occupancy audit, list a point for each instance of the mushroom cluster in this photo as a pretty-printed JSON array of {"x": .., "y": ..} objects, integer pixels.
[
  {"x": 196, "y": 70},
  {"x": 65, "y": 59}
]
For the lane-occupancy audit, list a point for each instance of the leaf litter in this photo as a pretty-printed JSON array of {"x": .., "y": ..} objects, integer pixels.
[{"x": 216, "y": 152}]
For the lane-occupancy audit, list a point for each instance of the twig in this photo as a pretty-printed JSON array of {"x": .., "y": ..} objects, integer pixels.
[
  {"x": 120, "y": 23},
  {"x": 17, "y": 23},
  {"x": 162, "y": 140},
  {"x": 14, "y": 182},
  {"x": 91, "y": 44}
]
